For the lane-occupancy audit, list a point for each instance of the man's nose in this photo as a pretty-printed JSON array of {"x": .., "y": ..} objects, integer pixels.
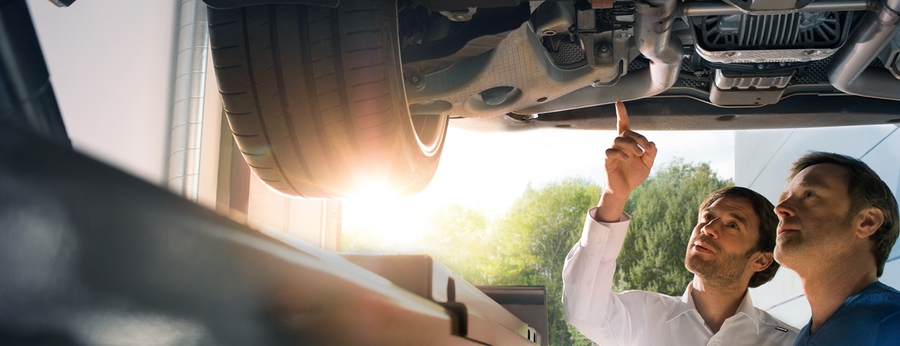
[
  {"x": 709, "y": 229},
  {"x": 784, "y": 209}
]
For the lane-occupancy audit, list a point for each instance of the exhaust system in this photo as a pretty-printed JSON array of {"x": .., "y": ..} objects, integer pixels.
[{"x": 850, "y": 71}]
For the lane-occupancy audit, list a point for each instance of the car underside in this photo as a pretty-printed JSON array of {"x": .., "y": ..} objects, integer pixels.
[{"x": 505, "y": 64}]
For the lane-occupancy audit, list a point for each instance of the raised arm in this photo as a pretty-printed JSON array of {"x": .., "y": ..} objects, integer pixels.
[
  {"x": 628, "y": 164},
  {"x": 588, "y": 301}
]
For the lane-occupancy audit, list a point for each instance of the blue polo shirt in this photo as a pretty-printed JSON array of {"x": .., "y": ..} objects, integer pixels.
[{"x": 870, "y": 317}]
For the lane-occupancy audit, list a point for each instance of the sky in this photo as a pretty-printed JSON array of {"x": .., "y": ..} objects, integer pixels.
[{"x": 487, "y": 171}]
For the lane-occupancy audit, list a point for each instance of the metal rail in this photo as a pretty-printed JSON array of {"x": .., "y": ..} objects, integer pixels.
[{"x": 718, "y": 8}]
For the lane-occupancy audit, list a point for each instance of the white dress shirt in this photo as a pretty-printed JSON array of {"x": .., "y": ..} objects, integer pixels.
[{"x": 648, "y": 318}]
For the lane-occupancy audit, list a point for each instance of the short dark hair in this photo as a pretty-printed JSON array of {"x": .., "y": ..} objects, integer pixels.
[
  {"x": 866, "y": 189},
  {"x": 768, "y": 225}
]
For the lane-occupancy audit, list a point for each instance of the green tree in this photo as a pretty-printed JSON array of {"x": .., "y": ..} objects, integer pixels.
[
  {"x": 528, "y": 245},
  {"x": 663, "y": 211},
  {"x": 534, "y": 237}
]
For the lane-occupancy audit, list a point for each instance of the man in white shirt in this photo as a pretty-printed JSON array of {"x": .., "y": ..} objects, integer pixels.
[{"x": 730, "y": 249}]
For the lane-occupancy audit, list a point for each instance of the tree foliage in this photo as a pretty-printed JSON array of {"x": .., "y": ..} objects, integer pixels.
[
  {"x": 529, "y": 243},
  {"x": 534, "y": 237},
  {"x": 664, "y": 211}
]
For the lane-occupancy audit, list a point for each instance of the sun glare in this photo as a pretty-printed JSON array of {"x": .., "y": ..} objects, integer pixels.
[
  {"x": 488, "y": 171},
  {"x": 396, "y": 224}
]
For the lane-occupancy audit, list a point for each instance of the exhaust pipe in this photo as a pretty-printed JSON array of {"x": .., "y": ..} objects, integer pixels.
[
  {"x": 652, "y": 27},
  {"x": 850, "y": 71}
]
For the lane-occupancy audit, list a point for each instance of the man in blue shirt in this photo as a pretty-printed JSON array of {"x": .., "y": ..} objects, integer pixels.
[{"x": 837, "y": 224}]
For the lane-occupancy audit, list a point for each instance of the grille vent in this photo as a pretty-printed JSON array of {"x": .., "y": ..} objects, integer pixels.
[
  {"x": 778, "y": 31},
  {"x": 563, "y": 52}
]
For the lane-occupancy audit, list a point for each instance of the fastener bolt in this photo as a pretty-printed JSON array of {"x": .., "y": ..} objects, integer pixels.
[
  {"x": 416, "y": 81},
  {"x": 604, "y": 51}
]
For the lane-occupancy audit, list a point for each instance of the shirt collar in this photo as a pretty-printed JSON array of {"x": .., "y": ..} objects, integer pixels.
[
  {"x": 688, "y": 304},
  {"x": 746, "y": 308}
]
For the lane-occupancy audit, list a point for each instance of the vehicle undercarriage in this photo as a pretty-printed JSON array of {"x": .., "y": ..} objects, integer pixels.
[{"x": 374, "y": 84}]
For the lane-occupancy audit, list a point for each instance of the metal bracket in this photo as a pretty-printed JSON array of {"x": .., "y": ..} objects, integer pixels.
[{"x": 460, "y": 16}]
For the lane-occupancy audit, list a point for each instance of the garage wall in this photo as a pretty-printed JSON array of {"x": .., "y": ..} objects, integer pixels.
[
  {"x": 762, "y": 159},
  {"x": 111, "y": 65}
]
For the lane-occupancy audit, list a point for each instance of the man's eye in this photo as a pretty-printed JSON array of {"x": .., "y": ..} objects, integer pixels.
[
  {"x": 733, "y": 225},
  {"x": 809, "y": 194}
]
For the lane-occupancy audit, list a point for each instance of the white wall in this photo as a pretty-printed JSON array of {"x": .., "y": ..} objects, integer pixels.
[
  {"x": 111, "y": 63},
  {"x": 762, "y": 159},
  {"x": 111, "y": 67}
]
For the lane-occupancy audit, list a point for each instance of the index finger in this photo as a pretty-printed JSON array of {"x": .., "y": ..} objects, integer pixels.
[{"x": 621, "y": 118}]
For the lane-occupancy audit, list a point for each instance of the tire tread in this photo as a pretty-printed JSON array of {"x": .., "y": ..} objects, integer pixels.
[{"x": 307, "y": 92}]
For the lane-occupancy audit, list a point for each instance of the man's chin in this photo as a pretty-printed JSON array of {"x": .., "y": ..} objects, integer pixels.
[
  {"x": 696, "y": 265},
  {"x": 787, "y": 245},
  {"x": 785, "y": 251}
]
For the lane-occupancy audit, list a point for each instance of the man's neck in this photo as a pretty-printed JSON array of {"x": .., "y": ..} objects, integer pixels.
[
  {"x": 716, "y": 303},
  {"x": 827, "y": 287}
]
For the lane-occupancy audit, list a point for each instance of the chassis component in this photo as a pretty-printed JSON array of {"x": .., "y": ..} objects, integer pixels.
[{"x": 532, "y": 60}]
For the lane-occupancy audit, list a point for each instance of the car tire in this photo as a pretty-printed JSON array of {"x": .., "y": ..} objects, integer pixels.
[{"x": 315, "y": 99}]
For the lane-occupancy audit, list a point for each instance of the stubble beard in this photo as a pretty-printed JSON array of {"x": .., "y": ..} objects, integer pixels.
[
  {"x": 787, "y": 248},
  {"x": 796, "y": 250},
  {"x": 722, "y": 271}
]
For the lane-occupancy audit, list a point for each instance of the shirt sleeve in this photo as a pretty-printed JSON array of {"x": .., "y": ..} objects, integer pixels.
[{"x": 588, "y": 301}]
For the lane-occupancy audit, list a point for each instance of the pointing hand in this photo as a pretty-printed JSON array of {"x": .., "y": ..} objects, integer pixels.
[{"x": 630, "y": 158}]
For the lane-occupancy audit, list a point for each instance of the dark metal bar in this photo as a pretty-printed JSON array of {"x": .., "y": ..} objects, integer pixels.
[
  {"x": 107, "y": 244},
  {"x": 26, "y": 95}
]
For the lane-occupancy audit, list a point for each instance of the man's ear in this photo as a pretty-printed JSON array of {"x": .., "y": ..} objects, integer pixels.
[
  {"x": 762, "y": 261},
  {"x": 869, "y": 220}
]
